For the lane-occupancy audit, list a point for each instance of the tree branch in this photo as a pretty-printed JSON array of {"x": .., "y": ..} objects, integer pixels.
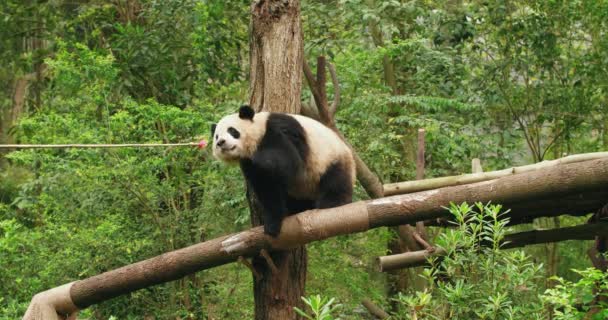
[
  {"x": 369, "y": 180},
  {"x": 334, "y": 79}
]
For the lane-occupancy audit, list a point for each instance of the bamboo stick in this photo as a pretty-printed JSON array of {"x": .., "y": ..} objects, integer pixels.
[{"x": 435, "y": 183}]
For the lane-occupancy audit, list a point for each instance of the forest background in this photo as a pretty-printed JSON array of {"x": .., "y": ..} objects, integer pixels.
[{"x": 509, "y": 82}]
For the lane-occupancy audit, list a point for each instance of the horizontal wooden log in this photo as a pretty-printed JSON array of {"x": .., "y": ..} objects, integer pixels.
[
  {"x": 163, "y": 268},
  {"x": 515, "y": 240},
  {"x": 579, "y": 204},
  {"x": 435, "y": 183},
  {"x": 317, "y": 225},
  {"x": 374, "y": 310},
  {"x": 581, "y": 232},
  {"x": 407, "y": 259}
]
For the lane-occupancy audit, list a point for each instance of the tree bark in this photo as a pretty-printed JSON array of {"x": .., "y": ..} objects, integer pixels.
[
  {"x": 387, "y": 64},
  {"x": 11, "y": 115},
  {"x": 276, "y": 84},
  {"x": 276, "y": 49}
]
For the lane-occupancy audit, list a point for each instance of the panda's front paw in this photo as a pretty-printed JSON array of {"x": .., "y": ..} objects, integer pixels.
[{"x": 272, "y": 229}]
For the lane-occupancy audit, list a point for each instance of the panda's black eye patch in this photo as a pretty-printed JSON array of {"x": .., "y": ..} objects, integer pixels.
[{"x": 233, "y": 132}]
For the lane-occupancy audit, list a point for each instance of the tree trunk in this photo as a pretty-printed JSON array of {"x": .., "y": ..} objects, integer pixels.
[
  {"x": 276, "y": 56},
  {"x": 387, "y": 63},
  {"x": 276, "y": 84}
]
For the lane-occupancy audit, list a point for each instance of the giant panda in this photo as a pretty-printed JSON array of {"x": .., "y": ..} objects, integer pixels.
[{"x": 292, "y": 163}]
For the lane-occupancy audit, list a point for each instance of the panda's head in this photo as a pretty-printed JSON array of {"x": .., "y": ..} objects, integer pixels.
[{"x": 237, "y": 135}]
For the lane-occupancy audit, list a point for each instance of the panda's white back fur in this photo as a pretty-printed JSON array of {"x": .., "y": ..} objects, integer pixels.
[{"x": 326, "y": 148}]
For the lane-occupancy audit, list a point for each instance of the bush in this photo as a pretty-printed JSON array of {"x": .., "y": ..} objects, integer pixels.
[{"x": 476, "y": 280}]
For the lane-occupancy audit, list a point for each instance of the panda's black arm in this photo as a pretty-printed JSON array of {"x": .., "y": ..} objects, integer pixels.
[
  {"x": 269, "y": 173},
  {"x": 270, "y": 189}
]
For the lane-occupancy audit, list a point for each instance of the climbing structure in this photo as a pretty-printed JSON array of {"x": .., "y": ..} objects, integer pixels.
[{"x": 575, "y": 185}]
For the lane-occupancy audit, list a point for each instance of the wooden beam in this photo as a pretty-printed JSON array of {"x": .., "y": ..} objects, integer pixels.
[
  {"x": 577, "y": 204},
  {"x": 435, "y": 183},
  {"x": 515, "y": 240},
  {"x": 376, "y": 311},
  {"x": 407, "y": 259},
  {"x": 314, "y": 225}
]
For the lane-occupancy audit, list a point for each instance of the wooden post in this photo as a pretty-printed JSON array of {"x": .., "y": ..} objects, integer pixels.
[
  {"x": 420, "y": 155},
  {"x": 420, "y": 176},
  {"x": 476, "y": 166}
]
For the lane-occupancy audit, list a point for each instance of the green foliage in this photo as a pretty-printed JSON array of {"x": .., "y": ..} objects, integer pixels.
[
  {"x": 476, "y": 280},
  {"x": 321, "y": 308},
  {"x": 574, "y": 300}
]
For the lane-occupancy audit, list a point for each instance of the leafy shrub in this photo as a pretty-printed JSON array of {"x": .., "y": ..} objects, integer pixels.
[
  {"x": 321, "y": 308},
  {"x": 476, "y": 280},
  {"x": 578, "y": 300}
]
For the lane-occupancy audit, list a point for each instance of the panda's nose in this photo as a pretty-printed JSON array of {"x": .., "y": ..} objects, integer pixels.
[{"x": 221, "y": 142}]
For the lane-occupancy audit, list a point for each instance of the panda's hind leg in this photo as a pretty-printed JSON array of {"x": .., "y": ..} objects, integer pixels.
[{"x": 335, "y": 187}]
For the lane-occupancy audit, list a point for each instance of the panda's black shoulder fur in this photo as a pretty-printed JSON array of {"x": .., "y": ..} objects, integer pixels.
[
  {"x": 280, "y": 153},
  {"x": 290, "y": 128},
  {"x": 279, "y": 156}
]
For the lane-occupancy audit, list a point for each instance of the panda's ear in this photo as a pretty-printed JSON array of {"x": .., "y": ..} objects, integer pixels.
[
  {"x": 246, "y": 112},
  {"x": 213, "y": 129}
]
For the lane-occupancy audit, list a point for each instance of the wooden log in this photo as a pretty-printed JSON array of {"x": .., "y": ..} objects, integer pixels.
[
  {"x": 476, "y": 166},
  {"x": 578, "y": 204},
  {"x": 314, "y": 225},
  {"x": 581, "y": 232},
  {"x": 428, "y": 184},
  {"x": 407, "y": 259},
  {"x": 515, "y": 240},
  {"x": 374, "y": 309}
]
